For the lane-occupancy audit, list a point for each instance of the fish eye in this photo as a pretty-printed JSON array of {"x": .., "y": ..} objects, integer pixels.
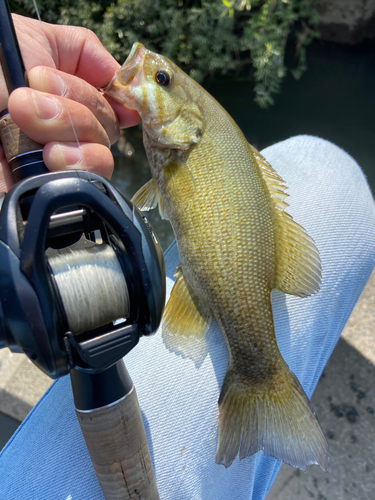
[{"x": 162, "y": 78}]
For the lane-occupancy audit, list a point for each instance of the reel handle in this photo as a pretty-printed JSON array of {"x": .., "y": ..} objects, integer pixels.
[{"x": 115, "y": 436}]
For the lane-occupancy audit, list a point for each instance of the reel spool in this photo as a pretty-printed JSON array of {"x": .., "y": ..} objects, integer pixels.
[
  {"x": 92, "y": 287},
  {"x": 74, "y": 257}
]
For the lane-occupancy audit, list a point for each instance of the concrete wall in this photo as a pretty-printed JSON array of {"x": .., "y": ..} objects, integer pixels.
[{"x": 347, "y": 21}]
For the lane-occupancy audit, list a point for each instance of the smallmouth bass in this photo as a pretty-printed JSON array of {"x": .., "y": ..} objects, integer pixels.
[{"x": 236, "y": 243}]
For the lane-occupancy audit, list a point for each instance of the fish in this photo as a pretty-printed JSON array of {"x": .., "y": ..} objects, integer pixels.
[{"x": 236, "y": 243}]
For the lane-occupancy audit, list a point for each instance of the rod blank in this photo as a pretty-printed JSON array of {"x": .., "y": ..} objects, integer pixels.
[{"x": 10, "y": 54}]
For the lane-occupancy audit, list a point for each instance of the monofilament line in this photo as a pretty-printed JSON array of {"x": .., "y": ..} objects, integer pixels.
[
  {"x": 37, "y": 11},
  {"x": 92, "y": 287},
  {"x": 83, "y": 164}
]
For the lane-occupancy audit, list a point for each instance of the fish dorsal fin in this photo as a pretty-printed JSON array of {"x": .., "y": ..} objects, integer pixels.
[
  {"x": 298, "y": 270},
  {"x": 184, "y": 315},
  {"x": 147, "y": 197}
]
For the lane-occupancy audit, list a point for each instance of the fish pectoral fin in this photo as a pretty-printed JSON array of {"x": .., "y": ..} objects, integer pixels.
[
  {"x": 298, "y": 269},
  {"x": 184, "y": 131},
  {"x": 184, "y": 315},
  {"x": 280, "y": 421},
  {"x": 147, "y": 197}
]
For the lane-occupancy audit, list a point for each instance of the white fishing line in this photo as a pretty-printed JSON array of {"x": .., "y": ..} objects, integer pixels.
[
  {"x": 82, "y": 164},
  {"x": 92, "y": 287},
  {"x": 37, "y": 11},
  {"x": 90, "y": 281}
]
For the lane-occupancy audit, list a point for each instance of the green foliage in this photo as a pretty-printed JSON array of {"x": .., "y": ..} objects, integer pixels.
[
  {"x": 203, "y": 37},
  {"x": 265, "y": 36}
]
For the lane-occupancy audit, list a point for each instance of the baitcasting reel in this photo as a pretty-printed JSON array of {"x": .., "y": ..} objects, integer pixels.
[
  {"x": 74, "y": 254},
  {"x": 74, "y": 257}
]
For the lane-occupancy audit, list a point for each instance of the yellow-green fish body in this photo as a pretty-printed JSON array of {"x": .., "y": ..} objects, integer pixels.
[{"x": 236, "y": 244}]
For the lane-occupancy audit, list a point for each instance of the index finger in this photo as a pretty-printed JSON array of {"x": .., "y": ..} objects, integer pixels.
[{"x": 74, "y": 50}]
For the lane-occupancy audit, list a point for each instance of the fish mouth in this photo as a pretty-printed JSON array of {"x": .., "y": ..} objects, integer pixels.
[{"x": 125, "y": 75}]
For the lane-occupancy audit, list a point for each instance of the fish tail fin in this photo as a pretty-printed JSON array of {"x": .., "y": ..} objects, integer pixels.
[{"x": 281, "y": 422}]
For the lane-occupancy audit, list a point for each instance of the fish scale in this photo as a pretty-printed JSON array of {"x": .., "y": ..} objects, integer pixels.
[{"x": 236, "y": 243}]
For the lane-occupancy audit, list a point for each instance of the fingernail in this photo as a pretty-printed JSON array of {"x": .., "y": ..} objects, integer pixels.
[
  {"x": 55, "y": 84},
  {"x": 46, "y": 108},
  {"x": 71, "y": 155}
]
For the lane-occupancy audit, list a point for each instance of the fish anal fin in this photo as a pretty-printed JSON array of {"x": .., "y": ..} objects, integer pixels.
[
  {"x": 147, "y": 197},
  {"x": 281, "y": 423},
  {"x": 298, "y": 268},
  {"x": 184, "y": 315}
]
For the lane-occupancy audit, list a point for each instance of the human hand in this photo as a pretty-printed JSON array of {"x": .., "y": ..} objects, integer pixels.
[{"x": 65, "y": 65}]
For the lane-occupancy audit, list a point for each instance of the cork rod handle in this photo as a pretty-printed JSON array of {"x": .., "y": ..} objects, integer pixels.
[
  {"x": 14, "y": 141},
  {"x": 116, "y": 440}
]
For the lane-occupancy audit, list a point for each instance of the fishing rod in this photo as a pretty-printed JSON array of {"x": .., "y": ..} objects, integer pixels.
[{"x": 64, "y": 236}]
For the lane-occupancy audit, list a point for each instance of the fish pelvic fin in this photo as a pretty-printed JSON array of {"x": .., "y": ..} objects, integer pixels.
[
  {"x": 148, "y": 197},
  {"x": 281, "y": 423},
  {"x": 184, "y": 315},
  {"x": 298, "y": 268}
]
